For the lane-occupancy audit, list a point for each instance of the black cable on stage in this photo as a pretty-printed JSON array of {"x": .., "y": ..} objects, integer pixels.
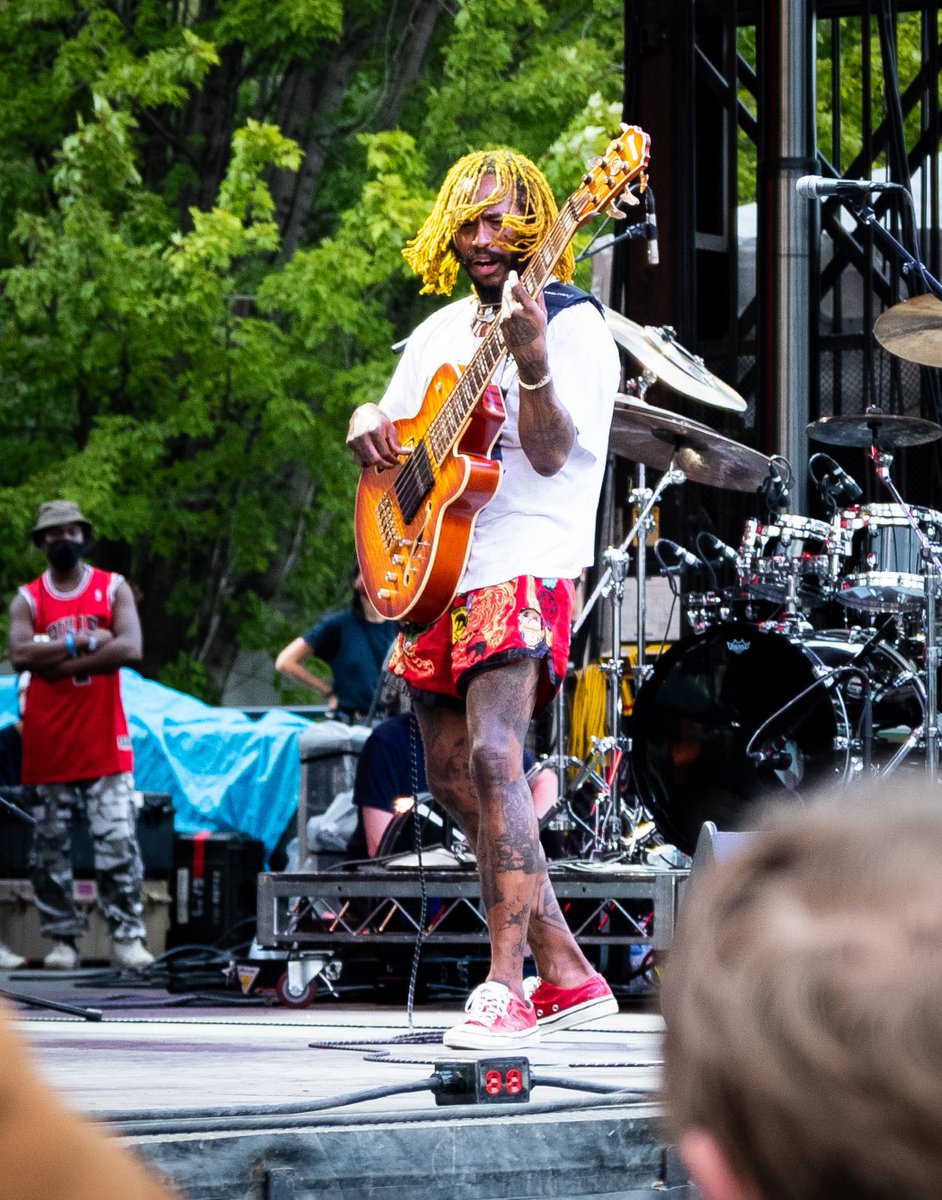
[
  {"x": 184, "y": 998},
  {"x": 298, "y": 1108},
  {"x": 414, "y": 736},
  {"x": 269, "y": 1117}
]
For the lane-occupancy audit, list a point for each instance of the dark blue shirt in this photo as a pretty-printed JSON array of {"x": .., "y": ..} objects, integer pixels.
[
  {"x": 385, "y": 766},
  {"x": 355, "y": 650}
]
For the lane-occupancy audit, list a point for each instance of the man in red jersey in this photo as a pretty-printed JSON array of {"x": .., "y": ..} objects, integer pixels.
[{"x": 72, "y": 628}]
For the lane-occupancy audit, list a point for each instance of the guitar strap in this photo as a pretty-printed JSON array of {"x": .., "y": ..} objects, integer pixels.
[{"x": 557, "y": 297}]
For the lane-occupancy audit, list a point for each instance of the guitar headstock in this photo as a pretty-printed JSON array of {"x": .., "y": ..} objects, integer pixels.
[{"x": 625, "y": 158}]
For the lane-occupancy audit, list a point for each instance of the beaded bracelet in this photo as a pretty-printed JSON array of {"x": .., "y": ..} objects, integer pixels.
[
  {"x": 535, "y": 387},
  {"x": 92, "y": 643}
]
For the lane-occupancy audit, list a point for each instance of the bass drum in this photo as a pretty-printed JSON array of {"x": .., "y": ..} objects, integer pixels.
[{"x": 739, "y": 716}]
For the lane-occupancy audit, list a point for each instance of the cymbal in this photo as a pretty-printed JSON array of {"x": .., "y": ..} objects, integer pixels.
[
  {"x": 912, "y": 330},
  {"x": 658, "y": 352},
  {"x": 657, "y": 438},
  {"x": 888, "y": 430}
]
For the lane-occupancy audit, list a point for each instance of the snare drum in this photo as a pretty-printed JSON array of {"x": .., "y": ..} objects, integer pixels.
[
  {"x": 886, "y": 559},
  {"x": 792, "y": 544}
]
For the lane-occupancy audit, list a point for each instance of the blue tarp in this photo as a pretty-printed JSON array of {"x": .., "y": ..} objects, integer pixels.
[{"x": 222, "y": 770}]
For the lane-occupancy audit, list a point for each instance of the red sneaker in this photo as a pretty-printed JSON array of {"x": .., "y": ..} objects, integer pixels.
[
  {"x": 561, "y": 1008},
  {"x": 496, "y": 1018}
]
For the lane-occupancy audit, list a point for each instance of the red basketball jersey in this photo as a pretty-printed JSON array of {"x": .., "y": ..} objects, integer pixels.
[{"x": 73, "y": 729}]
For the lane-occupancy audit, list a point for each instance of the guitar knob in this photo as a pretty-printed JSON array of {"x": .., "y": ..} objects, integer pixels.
[
  {"x": 391, "y": 577},
  {"x": 383, "y": 593},
  {"x": 397, "y": 559}
]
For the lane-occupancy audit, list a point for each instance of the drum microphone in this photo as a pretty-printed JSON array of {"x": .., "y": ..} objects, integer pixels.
[
  {"x": 816, "y": 187},
  {"x": 716, "y": 550},
  {"x": 776, "y": 488},
  {"x": 835, "y": 484},
  {"x": 775, "y": 755},
  {"x": 682, "y": 556},
  {"x": 651, "y": 232}
]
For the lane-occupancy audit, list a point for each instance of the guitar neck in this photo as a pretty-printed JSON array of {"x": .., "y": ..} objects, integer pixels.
[{"x": 446, "y": 427}]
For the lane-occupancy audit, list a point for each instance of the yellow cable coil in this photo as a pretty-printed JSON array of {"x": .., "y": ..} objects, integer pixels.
[{"x": 587, "y": 712}]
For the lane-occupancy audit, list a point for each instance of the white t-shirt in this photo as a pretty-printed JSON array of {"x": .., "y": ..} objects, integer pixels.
[{"x": 534, "y": 525}]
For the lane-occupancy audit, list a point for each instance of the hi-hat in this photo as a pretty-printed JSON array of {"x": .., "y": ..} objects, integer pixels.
[
  {"x": 657, "y": 351},
  {"x": 658, "y": 438},
  {"x": 912, "y": 330},
  {"x": 886, "y": 430}
]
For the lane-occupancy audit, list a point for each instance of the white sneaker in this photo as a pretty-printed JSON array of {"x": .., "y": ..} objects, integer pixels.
[
  {"x": 62, "y": 957},
  {"x": 132, "y": 955},
  {"x": 9, "y": 959},
  {"x": 496, "y": 1017}
]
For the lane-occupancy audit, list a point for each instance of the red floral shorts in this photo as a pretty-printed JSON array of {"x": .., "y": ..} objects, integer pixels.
[{"x": 523, "y": 618}]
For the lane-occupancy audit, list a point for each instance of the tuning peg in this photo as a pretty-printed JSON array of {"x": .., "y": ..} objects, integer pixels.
[{"x": 615, "y": 212}]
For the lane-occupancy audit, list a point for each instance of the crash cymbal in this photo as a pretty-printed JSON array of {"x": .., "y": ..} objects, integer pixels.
[
  {"x": 913, "y": 330},
  {"x": 656, "y": 438},
  {"x": 888, "y": 430},
  {"x": 658, "y": 352}
]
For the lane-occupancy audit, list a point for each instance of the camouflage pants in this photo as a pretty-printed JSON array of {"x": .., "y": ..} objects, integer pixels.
[{"x": 108, "y": 805}]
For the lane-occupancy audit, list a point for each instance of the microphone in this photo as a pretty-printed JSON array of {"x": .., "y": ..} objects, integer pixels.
[
  {"x": 814, "y": 187},
  {"x": 651, "y": 232},
  {"x": 775, "y": 490},
  {"x": 682, "y": 556},
  {"x": 716, "y": 549},
  {"x": 774, "y": 756},
  {"x": 835, "y": 484}
]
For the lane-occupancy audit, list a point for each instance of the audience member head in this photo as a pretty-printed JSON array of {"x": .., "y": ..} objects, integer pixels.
[{"x": 803, "y": 1002}]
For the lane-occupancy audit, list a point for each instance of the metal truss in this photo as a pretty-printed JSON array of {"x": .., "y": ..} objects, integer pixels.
[
  {"x": 701, "y": 74},
  {"x": 382, "y": 905}
]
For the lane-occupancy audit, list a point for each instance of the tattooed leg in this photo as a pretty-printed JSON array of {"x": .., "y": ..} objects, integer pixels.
[{"x": 534, "y": 917}]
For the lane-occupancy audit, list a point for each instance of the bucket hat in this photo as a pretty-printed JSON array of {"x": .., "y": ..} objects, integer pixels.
[{"x": 59, "y": 512}]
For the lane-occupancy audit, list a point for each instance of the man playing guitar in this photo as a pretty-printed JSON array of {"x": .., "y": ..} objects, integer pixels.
[{"x": 499, "y": 653}]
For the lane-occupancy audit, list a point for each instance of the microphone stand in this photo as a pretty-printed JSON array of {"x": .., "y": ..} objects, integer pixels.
[
  {"x": 933, "y": 572},
  {"x": 912, "y": 267},
  {"x": 605, "y": 831},
  {"x": 73, "y": 1010}
]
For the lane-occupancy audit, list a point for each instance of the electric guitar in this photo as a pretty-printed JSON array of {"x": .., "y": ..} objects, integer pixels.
[{"x": 413, "y": 522}]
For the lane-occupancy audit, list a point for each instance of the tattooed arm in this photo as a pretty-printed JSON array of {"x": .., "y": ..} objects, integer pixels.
[{"x": 545, "y": 427}]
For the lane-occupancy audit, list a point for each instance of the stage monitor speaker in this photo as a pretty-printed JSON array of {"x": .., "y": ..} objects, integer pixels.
[{"x": 716, "y": 847}]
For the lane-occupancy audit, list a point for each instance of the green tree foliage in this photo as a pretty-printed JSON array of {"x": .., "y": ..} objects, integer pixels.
[{"x": 202, "y": 209}]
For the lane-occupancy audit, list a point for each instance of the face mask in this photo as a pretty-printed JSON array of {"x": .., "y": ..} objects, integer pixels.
[{"x": 63, "y": 554}]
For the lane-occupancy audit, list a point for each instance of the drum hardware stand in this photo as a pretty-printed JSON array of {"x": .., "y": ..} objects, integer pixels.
[
  {"x": 603, "y": 766},
  {"x": 795, "y": 623},
  {"x": 882, "y": 461}
]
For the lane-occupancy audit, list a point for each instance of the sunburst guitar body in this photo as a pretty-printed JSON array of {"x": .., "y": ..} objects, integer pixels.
[{"x": 413, "y": 523}]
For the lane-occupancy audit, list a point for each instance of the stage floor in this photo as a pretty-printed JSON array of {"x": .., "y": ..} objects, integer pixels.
[{"x": 152, "y": 1059}]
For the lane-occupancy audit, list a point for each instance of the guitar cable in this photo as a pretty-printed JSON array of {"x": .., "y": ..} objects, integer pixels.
[{"x": 417, "y": 843}]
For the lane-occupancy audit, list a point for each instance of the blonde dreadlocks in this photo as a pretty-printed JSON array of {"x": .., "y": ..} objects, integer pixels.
[{"x": 431, "y": 254}]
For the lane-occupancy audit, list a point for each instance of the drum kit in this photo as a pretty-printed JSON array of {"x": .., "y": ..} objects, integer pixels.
[{"x": 814, "y": 666}]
